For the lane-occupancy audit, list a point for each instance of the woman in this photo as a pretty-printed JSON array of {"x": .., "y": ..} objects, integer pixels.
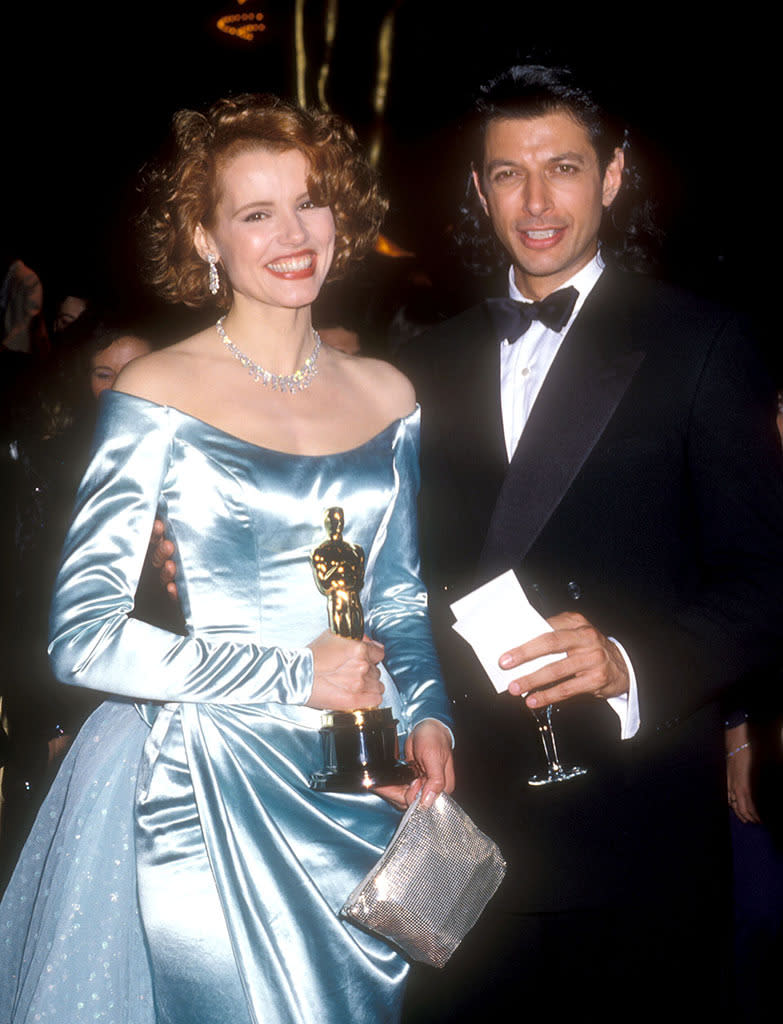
[
  {"x": 111, "y": 354},
  {"x": 199, "y": 789},
  {"x": 41, "y": 715}
]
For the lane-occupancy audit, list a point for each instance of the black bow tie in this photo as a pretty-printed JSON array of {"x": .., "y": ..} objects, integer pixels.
[{"x": 512, "y": 318}]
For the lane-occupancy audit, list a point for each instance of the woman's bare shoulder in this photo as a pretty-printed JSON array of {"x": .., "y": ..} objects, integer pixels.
[
  {"x": 164, "y": 375},
  {"x": 392, "y": 391}
]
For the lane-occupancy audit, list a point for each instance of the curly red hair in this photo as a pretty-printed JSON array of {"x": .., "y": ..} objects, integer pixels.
[{"x": 182, "y": 191}]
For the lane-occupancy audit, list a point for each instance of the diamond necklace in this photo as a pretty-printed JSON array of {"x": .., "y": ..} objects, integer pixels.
[{"x": 297, "y": 381}]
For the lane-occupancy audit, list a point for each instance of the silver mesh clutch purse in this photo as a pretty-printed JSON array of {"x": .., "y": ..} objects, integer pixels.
[{"x": 431, "y": 884}]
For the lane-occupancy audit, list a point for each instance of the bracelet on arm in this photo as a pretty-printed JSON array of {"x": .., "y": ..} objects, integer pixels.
[{"x": 736, "y": 750}]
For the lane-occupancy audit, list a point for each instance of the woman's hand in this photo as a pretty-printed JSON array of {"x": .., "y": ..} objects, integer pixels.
[
  {"x": 738, "y": 774},
  {"x": 429, "y": 748},
  {"x": 58, "y": 748},
  {"x": 345, "y": 673}
]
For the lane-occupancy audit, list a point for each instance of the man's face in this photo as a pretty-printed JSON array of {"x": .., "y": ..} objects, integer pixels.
[{"x": 542, "y": 187}]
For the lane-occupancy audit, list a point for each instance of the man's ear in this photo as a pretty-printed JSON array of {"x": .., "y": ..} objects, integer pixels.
[
  {"x": 203, "y": 242},
  {"x": 613, "y": 178},
  {"x": 477, "y": 185}
]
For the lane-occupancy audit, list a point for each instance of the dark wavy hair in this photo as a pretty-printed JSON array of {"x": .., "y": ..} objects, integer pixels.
[
  {"x": 63, "y": 395},
  {"x": 628, "y": 234},
  {"x": 181, "y": 189}
]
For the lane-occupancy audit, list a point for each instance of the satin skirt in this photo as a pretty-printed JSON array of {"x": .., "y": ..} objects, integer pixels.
[
  {"x": 72, "y": 947},
  {"x": 165, "y": 884}
]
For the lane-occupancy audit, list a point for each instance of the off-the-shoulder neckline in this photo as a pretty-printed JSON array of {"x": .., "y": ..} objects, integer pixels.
[{"x": 412, "y": 415}]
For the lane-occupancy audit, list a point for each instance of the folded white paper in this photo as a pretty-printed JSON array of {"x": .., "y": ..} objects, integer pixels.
[{"x": 496, "y": 617}]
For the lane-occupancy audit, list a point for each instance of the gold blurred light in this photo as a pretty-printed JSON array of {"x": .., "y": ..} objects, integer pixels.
[
  {"x": 386, "y": 247},
  {"x": 244, "y": 26}
]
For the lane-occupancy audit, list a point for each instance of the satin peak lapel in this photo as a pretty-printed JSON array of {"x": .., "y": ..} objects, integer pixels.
[{"x": 583, "y": 388}]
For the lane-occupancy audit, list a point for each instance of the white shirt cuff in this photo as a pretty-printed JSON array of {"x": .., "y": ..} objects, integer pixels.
[{"x": 626, "y": 706}]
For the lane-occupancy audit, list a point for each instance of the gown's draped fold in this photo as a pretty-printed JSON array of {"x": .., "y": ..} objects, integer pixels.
[{"x": 223, "y": 901}]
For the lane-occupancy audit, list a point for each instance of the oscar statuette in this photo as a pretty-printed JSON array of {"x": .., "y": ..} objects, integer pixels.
[{"x": 360, "y": 748}]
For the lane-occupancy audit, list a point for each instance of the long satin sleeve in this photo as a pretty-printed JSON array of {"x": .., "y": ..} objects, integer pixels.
[
  {"x": 93, "y": 641},
  {"x": 397, "y": 607}
]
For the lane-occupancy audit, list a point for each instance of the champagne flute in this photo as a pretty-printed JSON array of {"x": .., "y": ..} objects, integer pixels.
[{"x": 556, "y": 772}]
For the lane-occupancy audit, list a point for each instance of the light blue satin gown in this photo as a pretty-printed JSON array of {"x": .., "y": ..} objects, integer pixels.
[{"x": 181, "y": 870}]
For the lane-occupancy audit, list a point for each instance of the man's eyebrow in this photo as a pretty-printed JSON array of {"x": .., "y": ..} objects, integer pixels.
[
  {"x": 500, "y": 162},
  {"x": 572, "y": 155}
]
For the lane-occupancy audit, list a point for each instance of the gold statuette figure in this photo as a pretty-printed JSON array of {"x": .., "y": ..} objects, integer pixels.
[
  {"x": 339, "y": 574},
  {"x": 359, "y": 747}
]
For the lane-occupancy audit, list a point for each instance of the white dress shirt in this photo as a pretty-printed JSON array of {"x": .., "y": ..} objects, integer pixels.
[{"x": 524, "y": 364}]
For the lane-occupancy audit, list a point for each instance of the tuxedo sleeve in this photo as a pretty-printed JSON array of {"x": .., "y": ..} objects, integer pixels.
[{"x": 729, "y": 624}]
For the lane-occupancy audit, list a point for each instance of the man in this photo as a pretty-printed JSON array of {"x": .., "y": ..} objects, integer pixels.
[{"x": 622, "y": 461}]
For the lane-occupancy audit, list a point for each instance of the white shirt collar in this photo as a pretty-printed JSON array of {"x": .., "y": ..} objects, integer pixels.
[
  {"x": 525, "y": 364},
  {"x": 584, "y": 281}
]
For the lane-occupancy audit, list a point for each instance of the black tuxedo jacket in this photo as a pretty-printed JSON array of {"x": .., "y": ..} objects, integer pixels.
[{"x": 646, "y": 493}]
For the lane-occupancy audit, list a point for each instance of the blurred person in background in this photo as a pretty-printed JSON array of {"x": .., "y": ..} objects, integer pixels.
[{"x": 41, "y": 717}]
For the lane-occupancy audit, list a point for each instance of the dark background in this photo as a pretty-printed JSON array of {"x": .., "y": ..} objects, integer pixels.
[{"x": 89, "y": 90}]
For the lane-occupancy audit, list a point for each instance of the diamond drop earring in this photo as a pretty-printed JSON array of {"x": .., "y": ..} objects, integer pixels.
[{"x": 214, "y": 279}]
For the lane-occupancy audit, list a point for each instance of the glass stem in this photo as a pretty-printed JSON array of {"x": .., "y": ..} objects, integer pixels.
[{"x": 543, "y": 717}]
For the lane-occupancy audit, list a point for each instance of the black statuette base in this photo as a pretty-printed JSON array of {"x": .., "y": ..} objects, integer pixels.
[
  {"x": 362, "y": 781},
  {"x": 360, "y": 752}
]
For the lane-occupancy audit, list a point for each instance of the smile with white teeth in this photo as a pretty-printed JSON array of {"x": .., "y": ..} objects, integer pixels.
[
  {"x": 546, "y": 233},
  {"x": 292, "y": 265}
]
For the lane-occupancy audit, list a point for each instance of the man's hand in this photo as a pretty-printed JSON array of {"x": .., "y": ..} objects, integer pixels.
[
  {"x": 161, "y": 556},
  {"x": 593, "y": 664},
  {"x": 429, "y": 748}
]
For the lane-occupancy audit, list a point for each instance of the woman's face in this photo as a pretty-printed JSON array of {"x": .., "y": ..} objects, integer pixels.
[
  {"x": 69, "y": 310},
  {"x": 274, "y": 243},
  {"x": 106, "y": 364}
]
